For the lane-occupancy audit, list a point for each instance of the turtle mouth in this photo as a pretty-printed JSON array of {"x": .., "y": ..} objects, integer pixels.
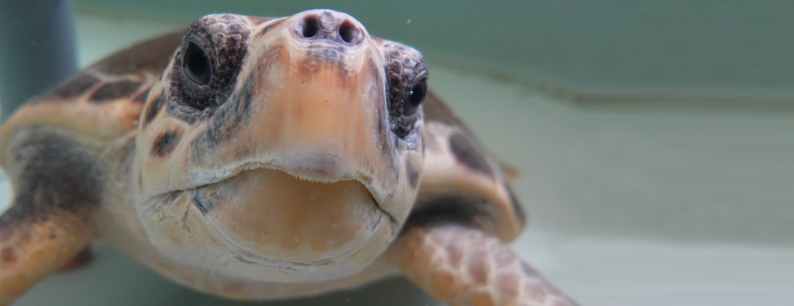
[
  {"x": 298, "y": 216},
  {"x": 308, "y": 167}
]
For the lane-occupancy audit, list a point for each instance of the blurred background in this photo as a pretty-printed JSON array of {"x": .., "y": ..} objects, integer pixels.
[{"x": 655, "y": 139}]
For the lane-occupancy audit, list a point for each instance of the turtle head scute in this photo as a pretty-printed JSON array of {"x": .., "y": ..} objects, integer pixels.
[{"x": 287, "y": 142}]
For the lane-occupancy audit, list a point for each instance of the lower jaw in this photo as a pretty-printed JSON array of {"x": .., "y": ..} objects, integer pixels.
[
  {"x": 270, "y": 216},
  {"x": 233, "y": 228}
]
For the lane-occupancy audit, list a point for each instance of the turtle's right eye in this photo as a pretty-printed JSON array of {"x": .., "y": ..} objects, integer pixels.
[
  {"x": 415, "y": 97},
  {"x": 196, "y": 65}
]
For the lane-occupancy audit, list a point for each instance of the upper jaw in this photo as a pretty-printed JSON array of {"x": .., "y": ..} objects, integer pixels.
[
  {"x": 324, "y": 169},
  {"x": 316, "y": 171}
]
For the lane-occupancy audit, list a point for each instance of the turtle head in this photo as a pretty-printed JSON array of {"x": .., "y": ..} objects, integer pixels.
[{"x": 286, "y": 146}]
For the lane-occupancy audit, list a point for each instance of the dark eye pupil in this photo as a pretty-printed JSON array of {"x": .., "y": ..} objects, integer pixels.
[
  {"x": 417, "y": 94},
  {"x": 197, "y": 65}
]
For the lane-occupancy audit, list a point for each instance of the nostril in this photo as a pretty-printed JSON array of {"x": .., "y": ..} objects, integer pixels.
[
  {"x": 348, "y": 31},
  {"x": 310, "y": 26}
]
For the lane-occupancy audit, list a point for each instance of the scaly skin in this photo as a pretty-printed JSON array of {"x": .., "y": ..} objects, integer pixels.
[
  {"x": 32, "y": 249},
  {"x": 465, "y": 267}
]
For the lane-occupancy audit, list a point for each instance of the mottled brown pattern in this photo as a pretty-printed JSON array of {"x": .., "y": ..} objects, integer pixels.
[
  {"x": 257, "y": 20},
  {"x": 452, "y": 144},
  {"x": 224, "y": 39},
  {"x": 489, "y": 275},
  {"x": 154, "y": 58},
  {"x": 74, "y": 87},
  {"x": 412, "y": 172},
  {"x": 24, "y": 239},
  {"x": 165, "y": 143},
  {"x": 115, "y": 90},
  {"x": 8, "y": 256},
  {"x": 266, "y": 29},
  {"x": 153, "y": 109},
  {"x": 479, "y": 268},
  {"x": 57, "y": 185},
  {"x": 141, "y": 97},
  {"x": 66, "y": 106},
  {"x": 467, "y": 154},
  {"x": 57, "y": 239},
  {"x": 455, "y": 207},
  {"x": 6, "y": 234},
  {"x": 53, "y": 172},
  {"x": 404, "y": 68}
]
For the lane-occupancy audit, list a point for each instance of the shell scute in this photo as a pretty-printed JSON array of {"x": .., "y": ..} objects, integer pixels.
[
  {"x": 74, "y": 87},
  {"x": 104, "y": 100},
  {"x": 461, "y": 181},
  {"x": 123, "y": 89}
]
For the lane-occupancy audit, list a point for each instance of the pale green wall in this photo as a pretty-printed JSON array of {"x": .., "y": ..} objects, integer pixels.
[{"x": 593, "y": 44}]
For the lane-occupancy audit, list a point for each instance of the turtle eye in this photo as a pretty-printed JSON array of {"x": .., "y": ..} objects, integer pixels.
[
  {"x": 415, "y": 97},
  {"x": 196, "y": 65}
]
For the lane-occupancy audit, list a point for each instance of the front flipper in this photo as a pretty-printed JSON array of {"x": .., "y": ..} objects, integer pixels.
[
  {"x": 33, "y": 246},
  {"x": 58, "y": 184},
  {"x": 463, "y": 266}
]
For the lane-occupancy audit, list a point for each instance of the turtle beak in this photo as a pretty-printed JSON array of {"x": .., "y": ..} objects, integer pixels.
[
  {"x": 297, "y": 164},
  {"x": 321, "y": 100},
  {"x": 310, "y": 101}
]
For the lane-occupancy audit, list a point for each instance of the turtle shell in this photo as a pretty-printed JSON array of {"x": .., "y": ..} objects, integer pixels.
[
  {"x": 461, "y": 181},
  {"x": 104, "y": 100}
]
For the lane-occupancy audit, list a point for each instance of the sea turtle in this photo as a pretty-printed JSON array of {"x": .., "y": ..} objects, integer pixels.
[{"x": 262, "y": 158}]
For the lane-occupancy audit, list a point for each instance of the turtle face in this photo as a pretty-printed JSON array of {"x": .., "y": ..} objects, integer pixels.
[{"x": 283, "y": 147}]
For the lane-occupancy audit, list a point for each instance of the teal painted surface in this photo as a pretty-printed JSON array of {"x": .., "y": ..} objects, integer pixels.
[
  {"x": 711, "y": 45},
  {"x": 37, "y": 49}
]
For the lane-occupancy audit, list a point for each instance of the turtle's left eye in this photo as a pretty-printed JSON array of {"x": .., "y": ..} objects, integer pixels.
[
  {"x": 197, "y": 65},
  {"x": 415, "y": 97}
]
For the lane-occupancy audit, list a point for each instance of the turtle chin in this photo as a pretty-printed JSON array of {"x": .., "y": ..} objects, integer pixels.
[
  {"x": 264, "y": 223},
  {"x": 272, "y": 215}
]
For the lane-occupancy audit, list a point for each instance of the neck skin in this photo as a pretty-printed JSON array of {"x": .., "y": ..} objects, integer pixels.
[{"x": 116, "y": 221}]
